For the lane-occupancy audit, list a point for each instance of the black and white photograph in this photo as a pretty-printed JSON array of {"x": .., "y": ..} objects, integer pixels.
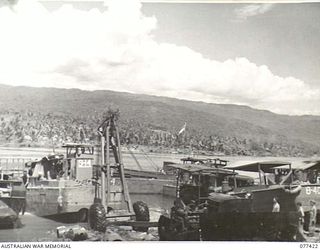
[{"x": 132, "y": 120}]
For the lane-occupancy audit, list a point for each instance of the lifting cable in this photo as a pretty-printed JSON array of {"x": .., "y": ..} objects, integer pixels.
[
  {"x": 135, "y": 158},
  {"x": 155, "y": 166}
]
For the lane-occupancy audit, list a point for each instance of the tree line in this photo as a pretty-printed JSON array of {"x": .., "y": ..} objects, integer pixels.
[{"x": 38, "y": 129}]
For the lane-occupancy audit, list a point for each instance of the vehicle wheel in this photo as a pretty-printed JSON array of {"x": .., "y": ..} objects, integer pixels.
[
  {"x": 83, "y": 215},
  {"x": 23, "y": 207},
  {"x": 16, "y": 224},
  {"x": 318, "y": 217},
  {"x": 292, "y": 233},
  {"x": 272, "y": 235},
  {"x": 141, "y": 211},
  {"x": 97, "y": 216},
  {"x": 162, "y": 228}
]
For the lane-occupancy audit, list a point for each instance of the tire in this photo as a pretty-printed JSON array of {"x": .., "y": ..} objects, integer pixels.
[
  {"x": 23, "y": 207},
  {"x": 97, "y": 217},
  {"x": 290, "y": 234},
  {"x": 141, "y": 211},
  {"x": 163, "y": 228},
  {"x": 318, "y": 217},
  {"x": 16, "y": 224}
]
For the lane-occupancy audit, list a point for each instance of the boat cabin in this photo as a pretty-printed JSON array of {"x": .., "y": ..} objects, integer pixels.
[
  {"x": 304, "y": 172},
  {"x": 79, "y": 161},
  {"x": 75, "y": 165},
  {"x": 195, "y": 182}
]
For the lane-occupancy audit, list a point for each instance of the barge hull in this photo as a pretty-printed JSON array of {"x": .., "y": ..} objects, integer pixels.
[{"x": 249, "y": 226}]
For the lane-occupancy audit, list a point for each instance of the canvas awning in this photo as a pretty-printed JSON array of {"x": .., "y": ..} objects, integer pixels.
[
  {"x": 303, "y": 165},
  {"x": 254, "y": 166}
]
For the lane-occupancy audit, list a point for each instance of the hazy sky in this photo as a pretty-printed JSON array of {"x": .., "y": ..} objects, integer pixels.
[{"x": 266, "y": 56}]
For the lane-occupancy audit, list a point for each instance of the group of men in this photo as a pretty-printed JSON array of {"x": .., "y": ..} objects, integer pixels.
[
  {"x": 312, "y": 219},
  {"x": 301, "y": 214}
]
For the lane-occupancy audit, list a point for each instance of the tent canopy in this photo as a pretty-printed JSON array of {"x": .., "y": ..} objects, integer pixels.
[
  {"x": 254, "y": 166},
  {"x": 303, "y": 165}
]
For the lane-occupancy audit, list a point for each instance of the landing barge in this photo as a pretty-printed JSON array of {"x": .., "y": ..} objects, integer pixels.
[
  {"x": 202, "y": 212},
  {"x": 62, "y": 185},
  {"x": 65, "y": 186}
]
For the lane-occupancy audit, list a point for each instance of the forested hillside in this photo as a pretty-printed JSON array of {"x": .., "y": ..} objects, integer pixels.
[{"x": 42, "y": 116}]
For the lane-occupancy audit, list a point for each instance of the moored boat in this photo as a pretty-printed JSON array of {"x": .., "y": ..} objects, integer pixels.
[
  {"x": 215, "y": 163},
  {"x": 61, "y": 186},
  {"x": 201, "y": 212},
  {"x": 305, "y": 174}
]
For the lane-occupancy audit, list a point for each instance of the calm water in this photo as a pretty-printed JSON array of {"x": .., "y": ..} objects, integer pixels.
[{"x": 147, "y": 161}]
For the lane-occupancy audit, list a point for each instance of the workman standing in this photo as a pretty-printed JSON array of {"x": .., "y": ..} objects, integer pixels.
[
  {"x": 300, "y": 234},
  {"x": 313, "y": 217},
  {"x": 276, "y": 206},
  {"x": 300, "y": 213}
]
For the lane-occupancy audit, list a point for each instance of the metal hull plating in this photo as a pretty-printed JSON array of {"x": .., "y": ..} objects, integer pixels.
[
  {"x": 54, "y": 197},
  {"x": 252, "y": 218},
  {"x": 309, "y": 192},
  {"x": 59, "y": 197},
  {"x": 249, "y": 226},
  {"x": 262, "y": 197},
  {"x": 237, "y": 216}
]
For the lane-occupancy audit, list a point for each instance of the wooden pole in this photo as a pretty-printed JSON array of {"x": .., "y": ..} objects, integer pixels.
[
  {"x": 122, "y": 176},
  {"x": 259, "y": 174},
  {"x": 103, "y": 177},
  {"x": 291, "y": 173},
  {"x": 234, "y": 179},
  {"x": 199, "y": 187},
  {"x": 0, "y": 169},
  {"x": 177, "y": 184},
  {"x": 7, "y": 165},
  {"x": 107, "y": 150}
]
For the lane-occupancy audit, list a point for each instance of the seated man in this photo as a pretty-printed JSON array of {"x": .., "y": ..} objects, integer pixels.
[{"x": 179, "y": 212}]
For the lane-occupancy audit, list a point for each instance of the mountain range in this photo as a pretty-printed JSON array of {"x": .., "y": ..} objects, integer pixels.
[{"x": 167, "y": 114}]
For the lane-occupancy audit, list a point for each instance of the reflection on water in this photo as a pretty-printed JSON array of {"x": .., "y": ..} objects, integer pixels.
[{"x": 41, "y": 229}]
